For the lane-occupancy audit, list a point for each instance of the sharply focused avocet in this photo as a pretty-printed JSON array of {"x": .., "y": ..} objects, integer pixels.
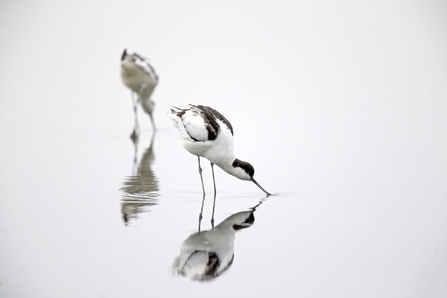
[
  {"x": 138, "y": 73},
  {"x": 205, "y": 132}
]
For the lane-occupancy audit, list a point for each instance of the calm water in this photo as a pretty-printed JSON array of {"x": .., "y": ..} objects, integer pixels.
[
  {"x": 344, "y": 120},
  {"x": 80, "y": 219}
]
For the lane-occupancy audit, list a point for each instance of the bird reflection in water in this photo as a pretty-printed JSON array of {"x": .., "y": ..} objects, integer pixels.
[
  {"x": 140, "y": 189},
  {"x": 206, "y": 255}
]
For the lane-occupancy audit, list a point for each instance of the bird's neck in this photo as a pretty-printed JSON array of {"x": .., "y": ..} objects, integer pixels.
[
  {"x": 228, "y": 167},
  {"x": 225, "y": 162},
  {"x": 234, "y": 171}
]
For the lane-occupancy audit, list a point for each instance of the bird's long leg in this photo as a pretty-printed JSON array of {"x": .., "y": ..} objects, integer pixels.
[
  {"x": 215, "y": 193},
  {"x": 214, "y": 180},
  {"x": 152, "y": 141},
  {"x": 135, "y": 108},
  {"x": 212, "y": 215},
  {"x": 154, "y": 128},
  {"x": 201, "y": 212},
  {"x": 136, "y": 130},
  {"x": 201, "y": 178}
]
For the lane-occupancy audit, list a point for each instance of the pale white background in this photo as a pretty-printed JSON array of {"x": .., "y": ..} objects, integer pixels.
[{"x": 341, "y": 106}]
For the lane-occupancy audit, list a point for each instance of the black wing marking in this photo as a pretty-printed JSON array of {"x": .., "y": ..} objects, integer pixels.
[{"x": 211, "y": 114}]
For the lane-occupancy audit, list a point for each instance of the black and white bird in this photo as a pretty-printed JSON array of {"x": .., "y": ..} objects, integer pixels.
[
  {"x": 208, "y": 254},
  {"x": 205, "y": 132},
  {"x": 139, "y": 75}
]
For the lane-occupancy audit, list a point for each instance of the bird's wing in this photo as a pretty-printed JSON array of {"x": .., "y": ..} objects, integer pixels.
[
  {"x": 146, "y": 65},
  {"x": 195, "y": 124},
  {"x": 214, "y": 115}
]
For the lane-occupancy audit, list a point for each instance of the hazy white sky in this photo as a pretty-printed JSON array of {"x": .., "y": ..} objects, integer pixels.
[{"x": 337, "y": 74}]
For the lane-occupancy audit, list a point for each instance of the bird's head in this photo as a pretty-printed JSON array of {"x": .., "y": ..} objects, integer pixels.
[
  {"x": 245, "y": 171},
  {"x": 124, "y": 55}
]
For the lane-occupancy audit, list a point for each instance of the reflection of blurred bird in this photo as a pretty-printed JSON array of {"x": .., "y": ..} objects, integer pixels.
[
  {"x": 206, "y": 255},
  {"x": 140, "y": 189},
  {"x": 206, "y": 132},
  {"x": 139, "y": 75}
]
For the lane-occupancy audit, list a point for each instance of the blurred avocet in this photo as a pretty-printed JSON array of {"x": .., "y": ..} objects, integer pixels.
[
  {"x": 205, "y": 132},
  {"x": 138, "y": 73}
]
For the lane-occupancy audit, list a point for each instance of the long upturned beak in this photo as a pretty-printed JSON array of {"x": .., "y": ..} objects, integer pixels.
[{"x": 254, "y": 181}]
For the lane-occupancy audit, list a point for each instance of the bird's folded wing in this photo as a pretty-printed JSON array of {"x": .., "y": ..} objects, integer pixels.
[
  {"x": 195, "y": 126},
  {"x": 147, "y": 68}
]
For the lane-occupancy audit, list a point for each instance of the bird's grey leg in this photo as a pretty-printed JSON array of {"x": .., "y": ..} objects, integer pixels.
[
  {"x": 212, "y": 215},
  {"x": 201, "y": 212},
  {"x": 152, "y": 141},
  {"x": 215, "y": 192},
  {"x": 154, "y": 128},
  {"x": 136, "y": 131},
  {"x": 135, "y": 107},
  {"x": 201, "y": 178},
  {"x": 214, "y": 180}
]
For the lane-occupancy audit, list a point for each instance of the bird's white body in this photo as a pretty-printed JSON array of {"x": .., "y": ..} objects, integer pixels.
[
  {"x": 206, "y": 255},
  {"x": 205, "y": 132},
  {"x": 219, "y": 151},
  {"x": 194, "y": 136},
  {"x": 139, "y": 75}
]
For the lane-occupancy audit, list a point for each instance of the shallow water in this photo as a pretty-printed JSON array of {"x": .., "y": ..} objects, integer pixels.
[
  {"x": 345, "y": 124},
  {"x": 92, "y": 223}
]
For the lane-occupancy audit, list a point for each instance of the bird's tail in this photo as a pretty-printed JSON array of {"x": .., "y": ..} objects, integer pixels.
[
  {"x": 175, "y": 110},
  {"x": 175, "y": 114}
]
